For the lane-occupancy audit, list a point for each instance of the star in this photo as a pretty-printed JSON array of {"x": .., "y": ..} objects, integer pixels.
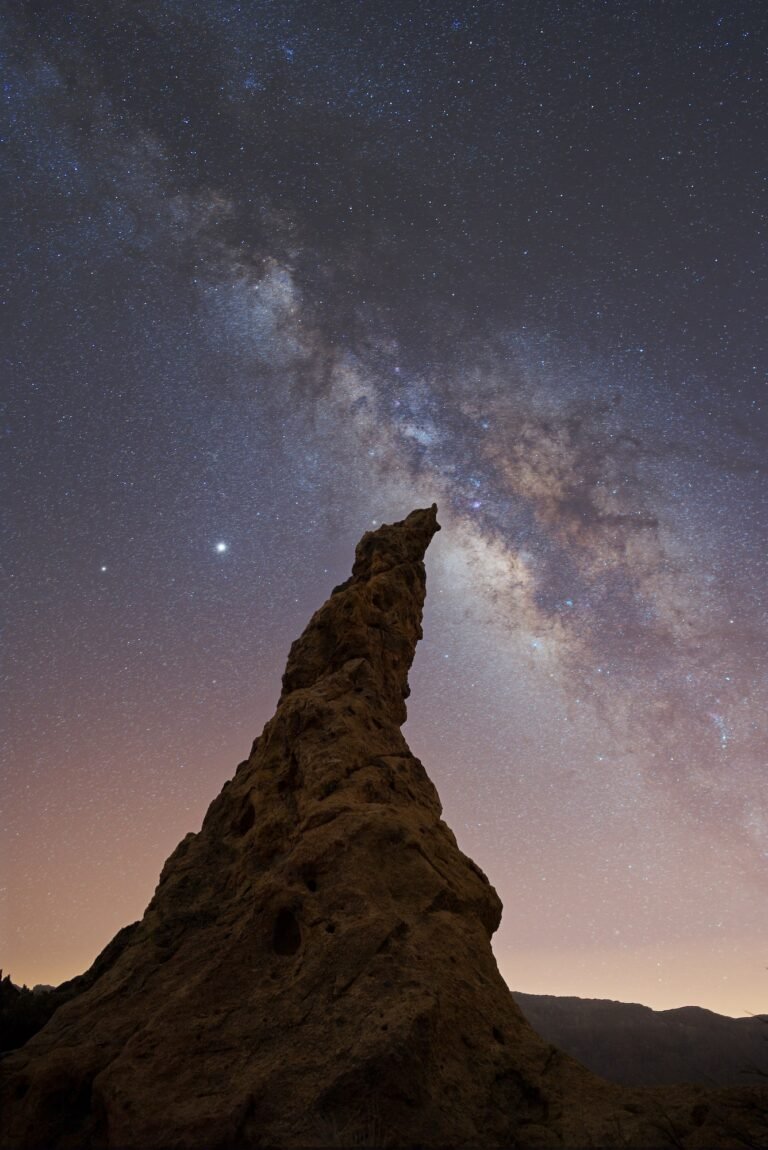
[{"x": 221, "y": 548}]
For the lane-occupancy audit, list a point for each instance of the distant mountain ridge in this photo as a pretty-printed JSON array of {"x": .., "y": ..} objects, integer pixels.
[{"x": 637, "y": 1046}]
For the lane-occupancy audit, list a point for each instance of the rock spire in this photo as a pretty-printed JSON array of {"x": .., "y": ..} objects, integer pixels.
[{"x": 315, "y": 966}]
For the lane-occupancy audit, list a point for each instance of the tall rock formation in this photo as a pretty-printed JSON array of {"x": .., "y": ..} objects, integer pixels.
[{"x": 315, "y": 966}]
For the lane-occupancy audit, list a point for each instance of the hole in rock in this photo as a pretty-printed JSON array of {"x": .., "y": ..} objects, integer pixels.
[
  {"x": 330, "y": 928},
  {"x": 498, "y": 1036},
  {"x": 699, "y": 1113},
  {"x": 286, "y": 935},
  {"x": 246, "y": 820}
]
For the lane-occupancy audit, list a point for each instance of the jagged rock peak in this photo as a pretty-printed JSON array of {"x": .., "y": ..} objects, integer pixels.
[
  {"x": 375, "y": 615},
  {"x": 315, "y": 966}
]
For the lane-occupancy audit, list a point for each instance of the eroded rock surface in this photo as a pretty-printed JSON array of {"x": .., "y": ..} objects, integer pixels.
[{"x": 315, "y": 966}]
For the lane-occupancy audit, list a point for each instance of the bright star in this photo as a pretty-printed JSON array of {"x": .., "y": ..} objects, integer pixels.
[{"x": 221, "y": 548}]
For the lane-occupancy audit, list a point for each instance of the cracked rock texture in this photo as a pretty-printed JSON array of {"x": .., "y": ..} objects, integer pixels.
[{"x": 315, "y": 967}]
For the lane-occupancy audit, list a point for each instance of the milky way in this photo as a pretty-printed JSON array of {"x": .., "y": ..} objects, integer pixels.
[{"x": 279, "y": 272}]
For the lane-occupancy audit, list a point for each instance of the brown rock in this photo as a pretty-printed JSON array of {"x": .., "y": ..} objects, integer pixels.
[{"x": 315, "y": 966}]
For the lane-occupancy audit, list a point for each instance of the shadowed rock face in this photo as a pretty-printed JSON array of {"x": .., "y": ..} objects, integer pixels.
[{"x": 315, "y": 966}]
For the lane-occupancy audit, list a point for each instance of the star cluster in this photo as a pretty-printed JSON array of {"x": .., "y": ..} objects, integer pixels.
[{"x": 280, "y": 272}]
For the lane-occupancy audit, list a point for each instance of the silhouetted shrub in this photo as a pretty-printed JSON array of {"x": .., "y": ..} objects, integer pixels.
[{"x": 24, "y": 1012}]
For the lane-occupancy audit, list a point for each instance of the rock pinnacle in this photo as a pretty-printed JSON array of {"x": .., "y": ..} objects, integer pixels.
[{"x": 315, "y": 966}]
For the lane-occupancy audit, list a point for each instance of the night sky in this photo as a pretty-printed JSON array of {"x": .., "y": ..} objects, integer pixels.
[{"x": 278, "y": 272}]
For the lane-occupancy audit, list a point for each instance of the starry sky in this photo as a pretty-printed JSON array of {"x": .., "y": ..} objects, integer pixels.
[{"x": 278, "y": 272}]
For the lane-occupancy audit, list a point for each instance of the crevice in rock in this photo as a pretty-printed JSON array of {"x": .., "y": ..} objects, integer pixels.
[{"x": 286, "y": 933}]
